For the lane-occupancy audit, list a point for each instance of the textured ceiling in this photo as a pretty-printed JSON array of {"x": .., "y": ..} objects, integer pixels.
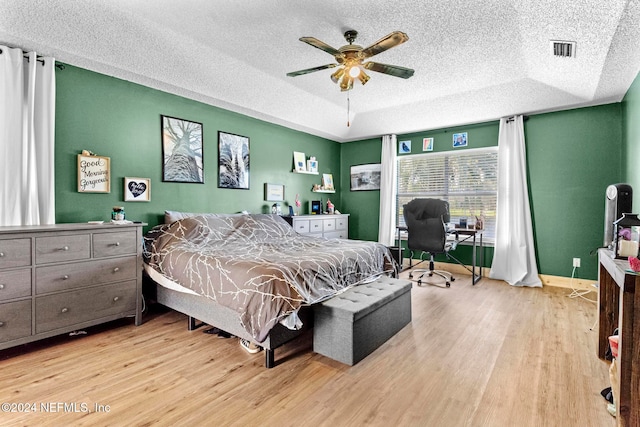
[{"x": 474, "y": 60}]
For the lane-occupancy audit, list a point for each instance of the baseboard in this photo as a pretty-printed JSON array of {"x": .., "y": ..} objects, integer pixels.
[{"x": 546, "y": 279}]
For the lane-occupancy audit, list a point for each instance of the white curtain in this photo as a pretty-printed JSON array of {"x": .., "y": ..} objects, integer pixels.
[
  {"x": 27, "y": 114},
  {"x": 388, "y": 189},
  {"x": 514, "y": 257}
]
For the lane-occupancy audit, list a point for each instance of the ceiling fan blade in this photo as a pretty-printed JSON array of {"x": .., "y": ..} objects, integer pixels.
[
  {"x": 392, "y": 70},
  {"x": 385, "y": 43},
  {"x": 320, "y": 45},
  {"x": 310, "y": 70}
]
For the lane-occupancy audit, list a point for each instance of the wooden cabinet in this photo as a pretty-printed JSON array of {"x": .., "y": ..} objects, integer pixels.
[
  {"x": 619, "y": 307},
  {"x": 328, "y": 226},
  {"x": 58, "y": 278}
]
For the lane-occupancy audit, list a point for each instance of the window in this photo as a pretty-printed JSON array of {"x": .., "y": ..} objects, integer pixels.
[{"x": 467, "y": 179}]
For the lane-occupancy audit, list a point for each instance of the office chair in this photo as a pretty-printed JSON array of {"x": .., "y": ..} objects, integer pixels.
[{"x": 426, "y": 221}]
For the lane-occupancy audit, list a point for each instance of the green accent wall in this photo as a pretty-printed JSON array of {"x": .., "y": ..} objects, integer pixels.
[
  {"x": 631, "y": 140},
  {"x": 121, "y": 120},
  {"x": 572, "y": 156}
]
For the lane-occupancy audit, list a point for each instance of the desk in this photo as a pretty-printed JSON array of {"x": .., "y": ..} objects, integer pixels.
[
  {"x": 469, "y": 233},
  {"x": 619, "y": 306}
]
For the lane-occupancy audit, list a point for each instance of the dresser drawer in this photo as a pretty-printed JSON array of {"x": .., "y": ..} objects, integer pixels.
[
  {"x": 15, "y": 253},
  {"x": 55, "y": 278},
  {"x": 110, "y": 244},
  {"x": 62, "y": 248},
  {"x": 315, "y": 226},
  {"x": 301, "y": 226},
  {"x": 15, "y": 320},
  {"x": 341, "y": 223},
  {"x": 69, "y": 308},
  {"x": 340, "y": 234},
  {"x": 15, "y": 284},
  {"x": 328, "y": 224}
]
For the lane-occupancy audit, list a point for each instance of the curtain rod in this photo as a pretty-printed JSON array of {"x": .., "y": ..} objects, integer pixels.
[
  {"x": 512, "y": 118},
  {"x": 40, "y": 60}
]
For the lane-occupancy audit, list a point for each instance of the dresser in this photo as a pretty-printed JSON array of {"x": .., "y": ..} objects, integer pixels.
[
  {"x": 55, "y": 279},
  {"x": 328, "y": 226}
]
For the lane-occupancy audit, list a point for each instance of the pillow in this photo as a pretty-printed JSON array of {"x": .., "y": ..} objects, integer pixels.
[{"x": 171, "y": 216}]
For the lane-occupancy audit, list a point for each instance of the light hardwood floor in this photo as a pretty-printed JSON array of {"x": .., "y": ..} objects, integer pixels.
[{"x": 483, "y": 355}]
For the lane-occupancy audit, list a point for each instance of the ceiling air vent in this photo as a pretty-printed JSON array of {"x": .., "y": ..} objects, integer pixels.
[{"x": 563, "y": 49}]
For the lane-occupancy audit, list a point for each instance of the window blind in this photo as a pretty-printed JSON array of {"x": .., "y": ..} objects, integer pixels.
[{"x": 467, "y": 179}]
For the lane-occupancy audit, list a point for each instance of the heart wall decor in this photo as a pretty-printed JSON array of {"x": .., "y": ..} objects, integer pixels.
[{"x": 137, "y": 189}]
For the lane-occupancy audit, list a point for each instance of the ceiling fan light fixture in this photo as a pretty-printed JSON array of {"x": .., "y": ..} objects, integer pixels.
[
  {"x": 354, "y": 71},
  {"x": 363, "y": 77},
  {"x": 346, "y": 83},
  {"x": 335, "y": 77}
]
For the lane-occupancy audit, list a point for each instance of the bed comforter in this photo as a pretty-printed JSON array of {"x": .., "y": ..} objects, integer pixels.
[{"x": 259, "y": 266}]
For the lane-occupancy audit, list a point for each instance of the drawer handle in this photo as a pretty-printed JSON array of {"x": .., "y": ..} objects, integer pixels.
[
  {"x": 1, "y": 286},
  {"x": 64, "y": 248},
  {"x": 115, "y": 270},
  {"x": 64, "y": 310},
  {"x": 65, "y": 277},
  {"x": 117, "y": 243},
  {"x": 115, "y": 299},
  {"x": 1, "y": 324},
  {"x": 1, "y": 254}
]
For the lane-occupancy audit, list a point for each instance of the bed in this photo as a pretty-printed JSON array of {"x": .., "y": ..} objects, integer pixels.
[{"x": 253, "y": 276}]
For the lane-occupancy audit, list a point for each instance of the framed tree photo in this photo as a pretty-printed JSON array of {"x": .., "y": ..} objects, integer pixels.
[
  {"x": 181, "y": 151},
  {"x": 233, "y": 161}
]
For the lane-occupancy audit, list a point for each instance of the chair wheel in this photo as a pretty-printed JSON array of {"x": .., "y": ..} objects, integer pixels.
[
  {"x": 448, "y": 284},
  {"x": 410, "y": 275},
  {"x": 419, "y": 282},
  {"x": 453, "y": 279}
]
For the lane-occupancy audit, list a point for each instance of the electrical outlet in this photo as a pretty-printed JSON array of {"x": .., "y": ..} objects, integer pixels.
[{"x": 576, "y": 262}]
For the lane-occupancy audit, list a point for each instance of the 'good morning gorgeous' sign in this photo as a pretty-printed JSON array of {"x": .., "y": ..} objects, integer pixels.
[{"x": 94, "y": 174}]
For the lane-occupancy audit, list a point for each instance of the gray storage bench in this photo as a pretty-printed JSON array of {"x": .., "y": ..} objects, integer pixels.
[{"x": 351, "y": 325}]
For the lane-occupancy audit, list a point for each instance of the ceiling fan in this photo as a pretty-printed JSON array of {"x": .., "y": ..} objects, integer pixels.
[{"x": 350, "y": 59}]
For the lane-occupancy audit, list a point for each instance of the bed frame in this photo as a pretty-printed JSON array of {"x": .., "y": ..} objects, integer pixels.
[{"x": 211, "y": 313}]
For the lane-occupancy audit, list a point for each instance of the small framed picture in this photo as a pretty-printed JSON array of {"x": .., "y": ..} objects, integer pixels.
[
  {"x": 427, "y": 144},
  {"x": 299, "y": 160},
  {"x": 137, "y": 189},
  {"x": 460, "y": 139},
  {"x": 94, "y": 173},
  {"x": 312, "y": 165},
  {"x": 404, "y": 147},
  {"x": 274, "y": 192},
  {"x": 327, "y": 181}
]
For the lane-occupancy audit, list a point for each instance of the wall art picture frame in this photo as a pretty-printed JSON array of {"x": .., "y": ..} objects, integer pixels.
[
  {"x": 312, "y": 165},
  {"x": 274, "y": 192},
  {"x": 427, "y": 144},
  {"x": 182, "y": 151},
  {"x": 299, "y": 161},
  {"x": 404, "y": 147},
  {"x": 460, "y": 139},
  {"x": 365, "y": 177},
  {"x": 327, "y": 181},
  {"x": 233, "y": 161},
  {"x": 94, "y": 173},
  {"x": 137, "y": 189}
]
